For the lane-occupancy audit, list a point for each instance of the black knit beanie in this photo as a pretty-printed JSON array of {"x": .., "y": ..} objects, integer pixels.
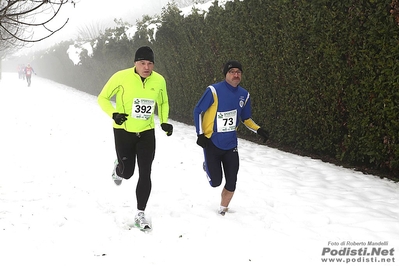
[
  {"x": 144, "y": 53},
  {"x": 231, "y": 64}
]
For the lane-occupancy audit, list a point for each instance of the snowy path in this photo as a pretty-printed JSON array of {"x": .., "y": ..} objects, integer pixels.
[{"x": 60, "y": 207}]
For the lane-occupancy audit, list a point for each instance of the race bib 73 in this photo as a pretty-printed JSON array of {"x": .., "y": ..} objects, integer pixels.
[{"x": 226, "y": 121}]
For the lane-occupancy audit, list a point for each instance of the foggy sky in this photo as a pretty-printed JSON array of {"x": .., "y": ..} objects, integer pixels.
[{"x": 96, "y": 12}]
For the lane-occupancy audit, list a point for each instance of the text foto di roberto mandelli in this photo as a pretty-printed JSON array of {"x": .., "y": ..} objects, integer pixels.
[{"x": 356, "y": 243}]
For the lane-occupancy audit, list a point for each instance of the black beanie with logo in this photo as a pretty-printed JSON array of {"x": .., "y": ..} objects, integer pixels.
[
  {"x": 231, "y": 64},
  {"x": 144, "y": 53}
]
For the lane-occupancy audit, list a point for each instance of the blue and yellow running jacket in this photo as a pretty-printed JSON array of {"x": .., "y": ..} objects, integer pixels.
[{"x": 220, "y": 110}]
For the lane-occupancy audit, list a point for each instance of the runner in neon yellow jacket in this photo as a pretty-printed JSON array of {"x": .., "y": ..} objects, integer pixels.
[
  {"x": 136, "y": 98},
  {"x": 137, "y": 90}
]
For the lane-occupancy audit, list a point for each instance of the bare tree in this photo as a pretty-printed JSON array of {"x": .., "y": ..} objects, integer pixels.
[
  {"x": 18, "y": 21},
  {"x": 90, "y": 31}
]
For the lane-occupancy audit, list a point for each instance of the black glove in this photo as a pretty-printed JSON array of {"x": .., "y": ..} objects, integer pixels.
[
  {"x": 263, "y": 133},
  {"x": 202, "y": 141},
  {"x": 168, "y": 128},
  {"x": 119, "y": 118}
]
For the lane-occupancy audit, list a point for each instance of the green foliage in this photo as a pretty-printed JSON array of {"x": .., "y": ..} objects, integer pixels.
[
  {"x": 323, "y": 75},
  {"x": 54, "y": 63}
]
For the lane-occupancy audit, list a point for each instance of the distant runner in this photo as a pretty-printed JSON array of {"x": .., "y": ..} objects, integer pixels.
[{"x": 28, "y": 73}]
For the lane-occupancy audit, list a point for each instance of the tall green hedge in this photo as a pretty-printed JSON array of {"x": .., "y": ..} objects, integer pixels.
[{"x": 323, "y": 75}]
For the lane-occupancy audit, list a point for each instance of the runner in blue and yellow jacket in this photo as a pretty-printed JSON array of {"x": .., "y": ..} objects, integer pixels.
[
  {"x": 137, "y": 90},
  {"x": 216, "y": 116}
]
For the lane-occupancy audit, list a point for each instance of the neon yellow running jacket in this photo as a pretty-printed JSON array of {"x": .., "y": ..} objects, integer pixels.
[{"x": 136, "y": 98}]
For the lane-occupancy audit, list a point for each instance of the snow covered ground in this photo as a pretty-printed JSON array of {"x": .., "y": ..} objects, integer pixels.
[{"x": 59, "y": 205}]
